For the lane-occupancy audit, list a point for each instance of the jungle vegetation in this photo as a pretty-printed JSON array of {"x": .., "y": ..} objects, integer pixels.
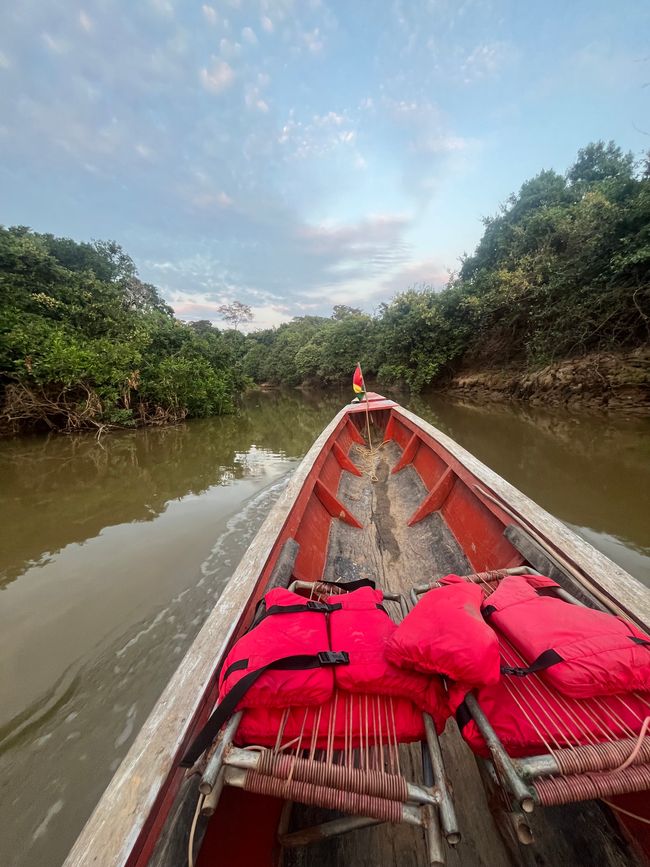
[
  {"x": 85, "y": 344},
  {"x": 563, "y": 269}
]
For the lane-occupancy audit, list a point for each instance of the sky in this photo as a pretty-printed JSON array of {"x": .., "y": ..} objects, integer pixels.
[{"x": 297, "y": 155}]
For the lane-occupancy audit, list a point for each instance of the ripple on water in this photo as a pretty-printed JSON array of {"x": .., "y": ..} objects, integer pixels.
[
  {"x": 127, "y": 731},
  {"x": 56, "y": 807}
]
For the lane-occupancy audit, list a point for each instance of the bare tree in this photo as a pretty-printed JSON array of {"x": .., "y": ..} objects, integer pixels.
[{"x": 235, "y": 313}]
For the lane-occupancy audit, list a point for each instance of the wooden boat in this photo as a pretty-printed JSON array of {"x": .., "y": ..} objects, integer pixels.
[{"x": 406, "y": 511}]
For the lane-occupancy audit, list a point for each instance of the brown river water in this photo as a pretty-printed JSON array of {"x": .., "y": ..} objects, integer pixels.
[{"x": 112, "y": 554}]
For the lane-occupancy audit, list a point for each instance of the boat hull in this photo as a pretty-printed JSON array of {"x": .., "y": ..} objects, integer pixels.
[{"x": 333, "y": 508}]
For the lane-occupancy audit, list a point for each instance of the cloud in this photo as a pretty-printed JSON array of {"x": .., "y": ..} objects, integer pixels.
[
  {"x": 439, "y": 143},
  {"x": 248, "y": 35},
  {"x": 264, "y": 316},
  {"x": 217, "y": 77},
  {"x": 210, "y": 14},
  {"x": 54, "y": 44},
  {"x": 348, "y": 251},
  {"x": 85, "y": 21},
  {"x": 144, "y": 151},
  {"x": 318, "y": 136},
  {"x": 253, "y": 98},
  {"x": 229, "y": 48},
  {"x": 163, "y": 7},
  {"x": 267, "y": 24},
  {"x": 417, "y": 273},
  {"x": 313, "y": 40},
  {"x": 5, "y": 63},
  {"x": 485, "y": 61}
]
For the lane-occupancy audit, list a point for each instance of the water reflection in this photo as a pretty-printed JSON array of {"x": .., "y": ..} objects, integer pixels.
[{"x": 58, "y": 490}]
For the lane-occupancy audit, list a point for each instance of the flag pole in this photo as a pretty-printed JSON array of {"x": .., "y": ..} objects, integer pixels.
[{"x": 367, "y": 406}]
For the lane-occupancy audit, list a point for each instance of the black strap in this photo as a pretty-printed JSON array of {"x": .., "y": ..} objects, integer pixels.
[
  {"x": 312, "y": 605},
  {"x": 300, "y": 662},
  {"x": 236, "y": 666},
  {"x": 299, "y": 608},
  {"x": 642, "y": 641},
  {"x": 488, "y": 610},
  {"x": 544, "y": 660},
  {"x": 261, "y": 611}
]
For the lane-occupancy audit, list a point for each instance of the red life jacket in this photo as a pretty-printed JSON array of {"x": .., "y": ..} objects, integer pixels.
[
  {"x": 362, "y": 628},
  {"x": 579, "y": 651},
  {"x": 547, "y": 719},
  {"x": 290, "y": 627},
  {"x": 446, "y": 634},
  {"x": 287, "y": 661},
  {"x": 353, "y": 720}
]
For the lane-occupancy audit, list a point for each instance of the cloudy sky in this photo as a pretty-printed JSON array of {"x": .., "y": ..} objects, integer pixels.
[{"x": 295, "y": 155}]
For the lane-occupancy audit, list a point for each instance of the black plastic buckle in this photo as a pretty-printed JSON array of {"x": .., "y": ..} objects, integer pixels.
[
  {"x": 333, "y": 657},
  {"x": 514, "y": 672}
]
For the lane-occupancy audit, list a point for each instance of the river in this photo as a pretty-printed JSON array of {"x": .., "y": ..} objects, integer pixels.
[{"x": 112, "y": 553}]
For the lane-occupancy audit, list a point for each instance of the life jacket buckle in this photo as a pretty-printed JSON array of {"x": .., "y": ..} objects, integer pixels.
[
  {"x": 514, "y": 672},
  {"x": 334, "y": 657}
]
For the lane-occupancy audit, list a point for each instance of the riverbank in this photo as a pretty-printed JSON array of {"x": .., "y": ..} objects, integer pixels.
[{"x": 602, "y": 381}]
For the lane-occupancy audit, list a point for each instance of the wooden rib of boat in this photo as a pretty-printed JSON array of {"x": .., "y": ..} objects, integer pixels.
[{"x": 413, "y": 508}]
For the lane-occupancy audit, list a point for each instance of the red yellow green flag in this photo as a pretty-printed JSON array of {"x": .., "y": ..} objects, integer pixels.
[{"x": 358, "y": 384}]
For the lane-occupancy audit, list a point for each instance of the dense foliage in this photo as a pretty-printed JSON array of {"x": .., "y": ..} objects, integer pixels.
[
  {"x": 84, "y": 343},
  {"x": 562, "y": 270}
]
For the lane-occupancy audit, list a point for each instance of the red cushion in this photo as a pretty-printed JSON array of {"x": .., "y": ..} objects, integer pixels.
[
  {"x": 446, "y": 633},
  {"x": 521, "y": 717},
  {"x": 353, "y": 719}
]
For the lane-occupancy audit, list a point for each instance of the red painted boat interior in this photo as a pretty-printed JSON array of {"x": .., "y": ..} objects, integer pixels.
[{"x": 243, "y": 831}]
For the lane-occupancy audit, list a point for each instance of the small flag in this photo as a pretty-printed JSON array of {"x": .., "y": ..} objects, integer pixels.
[{"x": 358, "y": 384}]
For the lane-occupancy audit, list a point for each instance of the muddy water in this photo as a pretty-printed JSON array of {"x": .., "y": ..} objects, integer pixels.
[{"x": 113, "y": 553}]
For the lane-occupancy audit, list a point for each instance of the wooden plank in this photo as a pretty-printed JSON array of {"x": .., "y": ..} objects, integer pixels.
[
  {"x": 334, "y": 507},
  {"x": 354, "y": 433},
  {"x": 615, "y": 582},
  {"x": 283, "y": 569},
  {"x": 113, "y": 832},
  {"x": 436, "y": 497},
  {"x": 344, "y": 461},
  {"x": 408, "y": 454},
  {"x": 388, "y": 433}
]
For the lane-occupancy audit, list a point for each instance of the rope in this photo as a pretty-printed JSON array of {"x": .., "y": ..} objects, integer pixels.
[
  {"x": 626, "y": 812},
  {"x": 635, "y": 752},
  {"x": 553, "y": 791},
  {"x": 368, "y": 461},
  {"x": 190, "y": 843}
]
